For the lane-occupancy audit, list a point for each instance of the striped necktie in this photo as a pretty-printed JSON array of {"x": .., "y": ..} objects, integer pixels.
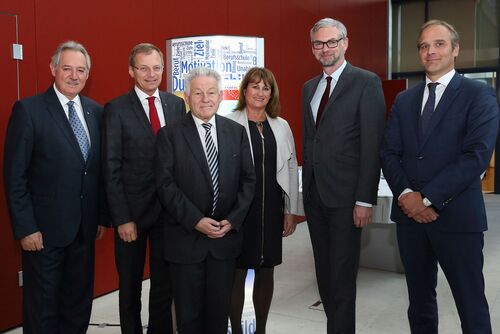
[
  {"x": 213, "y": 163},
  {"x": 78, "y": 130}
]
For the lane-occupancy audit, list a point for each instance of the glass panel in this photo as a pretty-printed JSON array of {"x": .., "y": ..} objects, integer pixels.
[
  {"x": 488, "y": 78},
  {"x": 475, "y": 21},
  {"x": 460, "y": 14},
  {"x": 487, "y": 33},
  {"x": 407, "y": 19}
]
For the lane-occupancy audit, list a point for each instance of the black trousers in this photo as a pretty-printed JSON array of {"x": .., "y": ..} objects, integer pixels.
[
  {"x": 460, "y": 255},
  {"x": 130, "y": 259},
  {"x": 202, "y": 293},
  {"x": 58, "y": 287},
  {"x": 336, "y": 247}
]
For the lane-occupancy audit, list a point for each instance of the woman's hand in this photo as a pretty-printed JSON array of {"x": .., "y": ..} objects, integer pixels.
[{"x": 288, "y": 224}]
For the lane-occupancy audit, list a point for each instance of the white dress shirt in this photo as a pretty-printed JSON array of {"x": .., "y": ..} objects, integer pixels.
[
  {"x": 443, "y": 82},
  {"x": 316, "y": 100},
  {"x": 78, "y": 107},
  {"x": 143, "y": 97},
  {"x": 202, "y": 131}
]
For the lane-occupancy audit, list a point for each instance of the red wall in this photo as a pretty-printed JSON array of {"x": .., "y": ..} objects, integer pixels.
[{"x": 109, "y": 29}]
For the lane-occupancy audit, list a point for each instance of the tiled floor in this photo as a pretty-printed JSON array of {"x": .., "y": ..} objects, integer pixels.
[{"x": 381, "y": 301}]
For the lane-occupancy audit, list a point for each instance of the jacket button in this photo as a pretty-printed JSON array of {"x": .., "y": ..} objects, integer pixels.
[{"x": 420, "y": 157}]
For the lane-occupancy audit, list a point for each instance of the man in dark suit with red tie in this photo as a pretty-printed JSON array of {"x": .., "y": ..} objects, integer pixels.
[
  {"x": 130, "y": 127},
  {"x": 438, "y": 141},
  {"x": 52, "y": 175}
]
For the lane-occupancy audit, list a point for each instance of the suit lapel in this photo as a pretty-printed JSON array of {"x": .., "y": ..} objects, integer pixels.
[
  {"x": 91, "y": 126},
  {"x": 344, "y": 80},
  {"x": 240, "y": 116},
  {"x": 416, "y": 111},
  {"x": 225, "y": 153},
  {"x": 192, "y": 137},
  {"x": 442, "y": 108},
  {"x": 311, "y": 89},
  {"x": 139, "y": 112},
  {"x": 283, "y": 150},
  {"x": 57, "y": 112},
  {"x": 164, "y": 104}
]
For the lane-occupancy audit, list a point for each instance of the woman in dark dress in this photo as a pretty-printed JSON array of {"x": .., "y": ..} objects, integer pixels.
[{"x": 270, "y": 217}]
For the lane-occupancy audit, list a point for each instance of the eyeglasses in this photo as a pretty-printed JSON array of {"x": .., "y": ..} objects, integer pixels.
[
  {"x": 145, "y": 69},
  {"x": 331, "y": 44}
]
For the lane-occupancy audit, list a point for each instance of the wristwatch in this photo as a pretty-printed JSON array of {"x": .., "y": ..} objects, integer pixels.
[{"x": 426, "y": 202}]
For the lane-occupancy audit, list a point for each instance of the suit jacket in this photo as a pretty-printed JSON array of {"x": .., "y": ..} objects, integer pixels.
[
  {"x": 49, "y": 186},
  {"x": 128, "y": 158},
  {"x": 185, "y": 190},
  {"x": 444, "y": 165},
  {"x": 343, "y": 150},
  {"x": 286, "y": 160}
]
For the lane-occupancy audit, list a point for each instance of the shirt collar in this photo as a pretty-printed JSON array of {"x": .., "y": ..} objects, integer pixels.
[
  {"x": 142, "y": 96},
  {"x": 336, "y": 75},
  {"x": 64, "y": 100},
  {"x": 199, "y": 122},
  {"x": 444, "y": 80}
]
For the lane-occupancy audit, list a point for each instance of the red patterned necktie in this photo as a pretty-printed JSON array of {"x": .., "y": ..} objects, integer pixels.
[{"x": 153, "y": 115}]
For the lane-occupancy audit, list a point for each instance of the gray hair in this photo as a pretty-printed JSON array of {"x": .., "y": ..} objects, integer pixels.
[
  {"x": 201, "y": 72},
  {"x": 455, "y": 38},
  {"x": 70, "y": 45},
  {"x": 329, "y": 22}
]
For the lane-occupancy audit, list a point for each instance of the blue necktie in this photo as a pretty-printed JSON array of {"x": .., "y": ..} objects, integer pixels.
[
  {"x": 213, "y": 163},
  {"x": 78, "y": 130},
  {"x": 429, "y": 106}
]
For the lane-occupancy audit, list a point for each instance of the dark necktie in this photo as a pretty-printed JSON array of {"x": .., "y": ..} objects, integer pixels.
[
  {"x": 153, "y": 115},
  {"x": 324, "y": 100},
  {"x": 213, "y": 163},
  {"x": 78, "y": 130},
  {"x": 429, "y": 106}
]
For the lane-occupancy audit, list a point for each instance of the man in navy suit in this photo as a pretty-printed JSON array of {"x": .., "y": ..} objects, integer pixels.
[
  {"x": 438, "y": 142},
  {"x": 53, "y": 189},
  {"x": 205, "y": 180},
  {"x": 131, "y": 122}
]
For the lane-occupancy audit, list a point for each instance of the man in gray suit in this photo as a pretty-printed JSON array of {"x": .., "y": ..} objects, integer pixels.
[{"x": 342, "y": 119}]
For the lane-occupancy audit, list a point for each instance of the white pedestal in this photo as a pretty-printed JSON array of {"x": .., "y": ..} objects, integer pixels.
[{"x": 379, "y": 246}]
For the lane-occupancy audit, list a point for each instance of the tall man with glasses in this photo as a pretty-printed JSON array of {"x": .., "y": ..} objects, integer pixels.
[
  {"x": 342, "y": 122},
  {"x": 52, "y": 176},
  {"x": 205, "y": 180},
  {"x": 131, "y": 124},
  {"x": 438, "y": 141}
]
